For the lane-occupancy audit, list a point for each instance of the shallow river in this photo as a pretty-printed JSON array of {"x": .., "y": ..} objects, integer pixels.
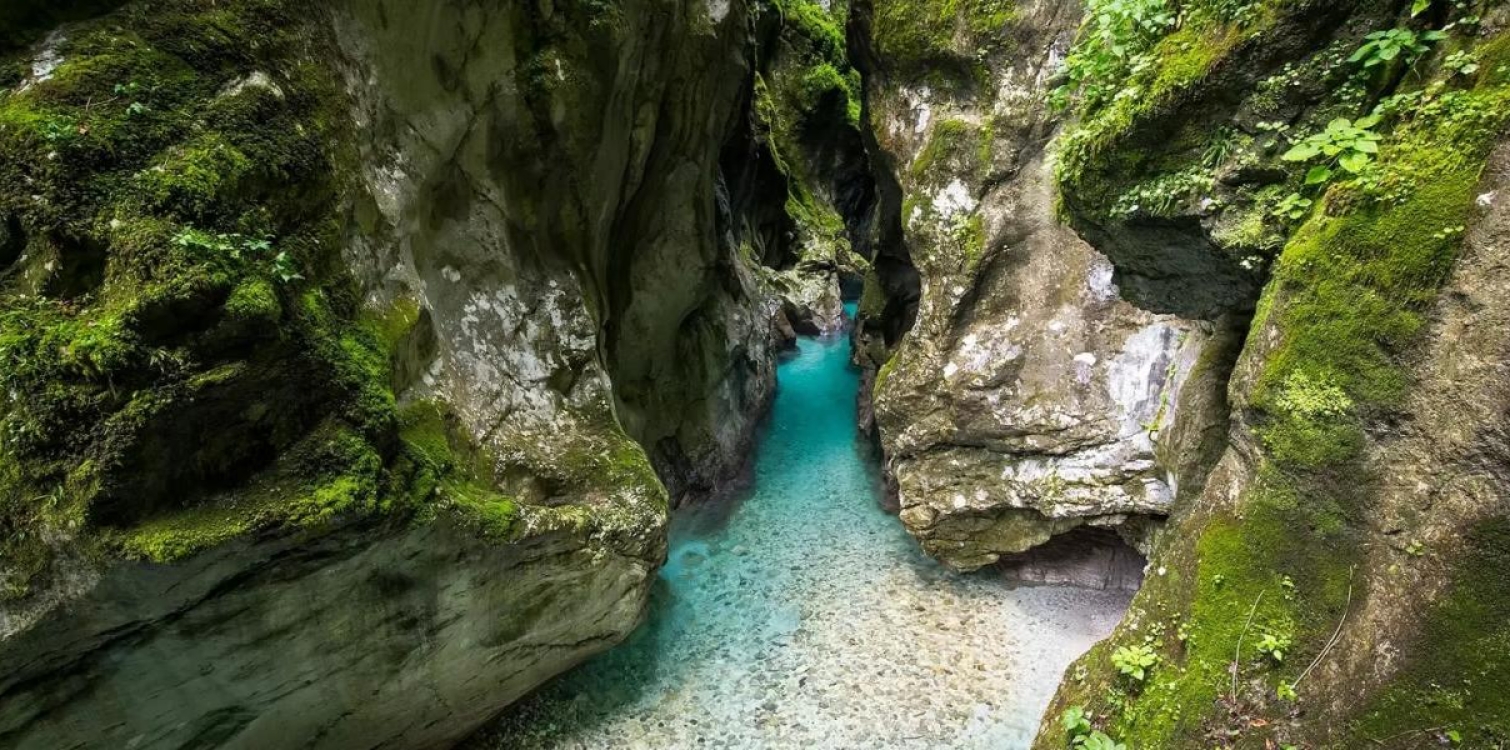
[{"x": 800, "y": 615}]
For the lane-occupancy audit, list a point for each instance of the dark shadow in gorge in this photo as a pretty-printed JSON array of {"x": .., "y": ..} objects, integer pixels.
[{"x": 1086, "y": 557}]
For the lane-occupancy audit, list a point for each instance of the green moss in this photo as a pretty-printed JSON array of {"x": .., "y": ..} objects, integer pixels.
[
  {"x": 255, "y": 303},
  {"x": 193, "y": 180},
  {"x": 805, "y": 97},
  {"x": 925, "y": 38},
  {"x": 173, "y": 219},
  {"x": 334, "y": 475},
  {"x": 1334, "y": 331},
  {"x": 174, "y": 538},
  {"x": 1350, "y": 290},
  {"x": 953, "y": 150},
  {"x": 1241, "y": 566},
  {"x": 1150, "y": 72},
  {"x": 1455, "y": 678}
]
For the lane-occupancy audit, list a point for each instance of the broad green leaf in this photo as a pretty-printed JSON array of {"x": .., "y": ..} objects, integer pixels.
[
  {"x": 1419, "y": 7},
  {"x": 1354, "y": 161},
  {"x": 1301, "y": 152},
  {"x": 1318, "y": 175}
]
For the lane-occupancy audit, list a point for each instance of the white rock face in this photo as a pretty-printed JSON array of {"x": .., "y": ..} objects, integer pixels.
[
  {"x": 46, "y": 60},
  {"x": 1029, "y": 398}
]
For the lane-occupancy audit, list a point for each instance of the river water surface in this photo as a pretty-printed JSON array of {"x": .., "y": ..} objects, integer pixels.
[{"x": 798, "y": 614}]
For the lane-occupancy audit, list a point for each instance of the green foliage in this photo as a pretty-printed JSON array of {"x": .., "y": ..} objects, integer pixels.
[
  {"x": 1293, "y": 207},
  {"x": 1134, "y": 661},
  {"x": 1382, "y": 47},
  {"x": 1274, "y": 646},
  {"x": 1076, "y": 723},
  {"x": 1462, "y": 63},
  {"x": 1115, "y": 42},
  {"x": 1164, "y": 194},
  {"x": 1338, "y": 322},
  {"x": 1100, "y": 741},
  {"x": 236, "y": 246},
  {"x": 1350, "y": 144}
]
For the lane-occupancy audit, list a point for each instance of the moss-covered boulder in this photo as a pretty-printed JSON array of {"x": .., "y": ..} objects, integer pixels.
[
  {"x": 328, "y": 334},
  {"x": 1331, "y": 587}
]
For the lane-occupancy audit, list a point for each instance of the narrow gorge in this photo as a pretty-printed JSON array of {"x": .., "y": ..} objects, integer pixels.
[{"x": 1102, "y": 374}]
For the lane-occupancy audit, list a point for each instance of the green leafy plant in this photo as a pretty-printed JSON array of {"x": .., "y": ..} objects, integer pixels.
[
  {"x": 1223, "y": 143},
  {"x": 1350, "y": 144},
  {"x": 1461, "y": 63},
  {"x": 1076, "y": 723},
  {"x": 1114, "y": 44},
  {"x": 1100, "y": 741},
  {"x": 1293, "y": 207},
  {"x": 1134, "y": 661},
  {"x": 1274, "y": 646},
  {"x": 1286, "y": 692},
  {"x": 1383, "y": 47},
  {"x": 286, "y": 269},
  {"x": 239, "y": 247}
]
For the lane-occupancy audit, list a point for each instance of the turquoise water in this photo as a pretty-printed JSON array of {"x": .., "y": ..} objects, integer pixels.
[{"x": 797, "y": 613}]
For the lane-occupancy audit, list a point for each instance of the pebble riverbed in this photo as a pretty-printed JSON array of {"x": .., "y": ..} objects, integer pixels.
[{"x": 798, "y": 614}]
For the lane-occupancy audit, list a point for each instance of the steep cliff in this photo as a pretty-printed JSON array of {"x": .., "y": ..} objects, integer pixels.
[
  {"x": 1339, "y": 582},
  {"x": 1029, "y": 398},
  {"x": 331, "y": 336}
]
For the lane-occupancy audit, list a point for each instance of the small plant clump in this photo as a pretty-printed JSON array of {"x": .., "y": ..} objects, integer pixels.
[
  {"x": 1350, "y": 144},
  {"x": 1080, "y": 733},
  {"x": 1274, "y": 646},
  {"x": 1382, "y": 47},
  {"x": 1134, "y": 661}
]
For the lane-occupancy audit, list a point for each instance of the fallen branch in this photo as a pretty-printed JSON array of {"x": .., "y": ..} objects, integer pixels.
[
  {"x": 1336, "y": 634},
  {"x": 1237, "y": 656},
  {"x": 1404, "y": 734}
]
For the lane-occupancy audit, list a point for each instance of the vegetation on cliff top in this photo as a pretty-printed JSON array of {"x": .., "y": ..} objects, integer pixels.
[
  {"x": 1248, "y": 593},
  {"x": 807, "y": 93}
]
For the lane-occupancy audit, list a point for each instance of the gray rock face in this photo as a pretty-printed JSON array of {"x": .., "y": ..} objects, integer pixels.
[
  {"x": 362, "y": 639},
  {"x": 1029, "y": 398},
  {"x": 558, "y": 249},
  {"x": 541, "y": 186}
]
